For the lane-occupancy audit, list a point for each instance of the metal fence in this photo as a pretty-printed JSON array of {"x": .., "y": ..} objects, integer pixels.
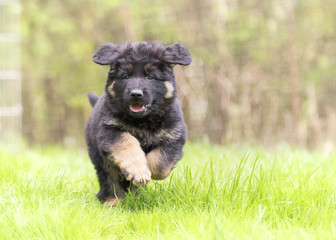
[{"x": 10, "y": 75}]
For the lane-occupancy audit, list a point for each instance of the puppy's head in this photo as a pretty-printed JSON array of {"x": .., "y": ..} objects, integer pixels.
[{"x": 141, "y": 77}]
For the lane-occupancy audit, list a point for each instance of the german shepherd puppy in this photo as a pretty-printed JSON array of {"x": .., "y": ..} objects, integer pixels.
[{"x": 136, "y": 131}]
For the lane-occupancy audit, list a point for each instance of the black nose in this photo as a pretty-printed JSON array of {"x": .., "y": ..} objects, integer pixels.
[{"x": 136, "y": 93}]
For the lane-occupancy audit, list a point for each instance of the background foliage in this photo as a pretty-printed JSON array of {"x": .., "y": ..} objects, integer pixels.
[{"x": 263, "y": 71}]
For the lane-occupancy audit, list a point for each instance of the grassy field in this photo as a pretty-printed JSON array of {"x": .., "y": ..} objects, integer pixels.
[{"x": 214, "y": 193}]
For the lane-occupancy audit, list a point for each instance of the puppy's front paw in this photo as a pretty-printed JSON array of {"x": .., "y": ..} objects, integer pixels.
[{"x": 138, "y": 175}]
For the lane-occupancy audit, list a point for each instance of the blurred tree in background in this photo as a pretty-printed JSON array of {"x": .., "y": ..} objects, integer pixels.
[{"x": 263, "y": 71}]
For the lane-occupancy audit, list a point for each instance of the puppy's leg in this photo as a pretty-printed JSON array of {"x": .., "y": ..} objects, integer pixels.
[
  {"x": 111, "y": 188},
  {"x": 162, "y": 160},
  {"x": 127, "y": 154}
]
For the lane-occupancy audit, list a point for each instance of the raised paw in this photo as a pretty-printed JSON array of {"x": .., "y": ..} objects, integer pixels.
[{"x": 138, "y": 175}]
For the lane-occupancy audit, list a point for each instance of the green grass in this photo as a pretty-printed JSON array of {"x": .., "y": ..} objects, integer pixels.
[{"x": 214, "y": 193}]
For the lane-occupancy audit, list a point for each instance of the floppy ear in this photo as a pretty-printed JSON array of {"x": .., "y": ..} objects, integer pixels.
[
  {"x": 177, "y": 54},
  {"x": 106, "y": 54}
]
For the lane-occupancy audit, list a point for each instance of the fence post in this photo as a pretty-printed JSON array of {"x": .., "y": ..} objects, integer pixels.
[{"x": 10, "y": 73}]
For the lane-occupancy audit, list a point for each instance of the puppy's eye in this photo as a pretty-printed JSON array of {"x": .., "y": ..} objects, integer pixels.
[
  {"x": 150, "y": 77},
  {"x": 125, "y": 76}
]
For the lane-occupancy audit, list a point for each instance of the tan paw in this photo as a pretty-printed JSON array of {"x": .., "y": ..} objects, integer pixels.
[
  {"x": 138, "y": 175},
  {"x": 111, "y": 202}
]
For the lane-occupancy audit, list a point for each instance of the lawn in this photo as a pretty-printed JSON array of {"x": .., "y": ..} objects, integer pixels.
[{"x": 214, "y": 193}]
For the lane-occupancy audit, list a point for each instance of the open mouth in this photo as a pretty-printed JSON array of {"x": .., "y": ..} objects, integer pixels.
[{"x": 137, "y": 108}]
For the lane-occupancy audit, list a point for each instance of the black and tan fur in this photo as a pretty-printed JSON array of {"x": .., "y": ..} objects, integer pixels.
[{"x": 136, "y": 131}]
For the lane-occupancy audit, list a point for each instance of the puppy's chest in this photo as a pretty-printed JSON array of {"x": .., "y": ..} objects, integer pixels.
[
  {"x": 151, "y": 139},
  {"x": 148, "y": 138}
]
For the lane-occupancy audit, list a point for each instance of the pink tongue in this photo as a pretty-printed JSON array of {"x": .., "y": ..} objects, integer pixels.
[{"x": 137, "y": 108}]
